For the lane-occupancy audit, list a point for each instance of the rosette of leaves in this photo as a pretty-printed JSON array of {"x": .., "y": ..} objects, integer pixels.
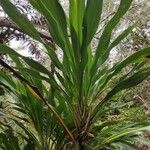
[{"x": 63, "y": 108}]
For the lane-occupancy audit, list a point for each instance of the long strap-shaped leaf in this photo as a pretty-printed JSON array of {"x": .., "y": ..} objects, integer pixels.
[
  {"x": 76, "y": 13},
  {"x": 134, "y": 80},
  {"x": 122, "y": 134},
  {"x": 37, "y": 93},
  {"x": 54, "y": 14},
  {"x": 138, "y": 56},
  {"x": 57, "y": 24},
  {"x": 27, "y": 27},
  {"x": 91, "y": 20},
  {"x": 32, "y": 63},
  {"x": 129, "y": 82},
  {"x": 104, "y": 57},
  {"x": 106, "y": 35},
  {"x": 20, "y": 19},
  {"x": 122, "y": 36}
]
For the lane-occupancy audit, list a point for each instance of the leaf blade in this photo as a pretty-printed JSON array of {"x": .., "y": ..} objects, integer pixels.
[{"x": 20, "y": 19}]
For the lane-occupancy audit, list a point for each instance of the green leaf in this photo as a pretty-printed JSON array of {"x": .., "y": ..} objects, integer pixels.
[
  {"x": 35, "y": 75},
  {"x": 7, "y": 80},
  {"x": 123, "y": 145},
  {"x": 6, "y": 87},
  {"x": 76, "y": 13},
  {"x": 55, "y": 16},
  {"x": 129, "y": 82},
  {"x": 123, "y": 35},
  {"x": 28, "y": 132},
  {"x": 57, "y": 24},
  {"x": 55, "y": 10},
  {"x": 92, "y": 17},
  {"x": 134, "y": 80},
  {"x": 20, "y": 19},
  {"x": 27, "y": 27},
  {"x": 32, "y": 63},
  {"x": 5, "y": 143},
  {"x": 91, "y": 21},
  {"x": 75, "y": 44},
  {"x": 136, "y": 57},
  {"x": 126, "y": 132},
  {"x": 106, "y": 35},
  {"x": 53, "y": 56}
]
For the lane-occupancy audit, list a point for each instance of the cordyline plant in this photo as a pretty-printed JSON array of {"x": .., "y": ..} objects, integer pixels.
[{"x": 63, "y": 108}]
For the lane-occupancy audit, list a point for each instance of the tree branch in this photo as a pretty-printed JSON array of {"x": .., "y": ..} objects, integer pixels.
[{"x": 5, "y": 22}]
